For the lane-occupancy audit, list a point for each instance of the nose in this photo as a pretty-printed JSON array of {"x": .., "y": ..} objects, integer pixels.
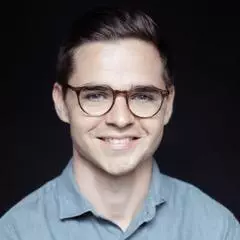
[{"x": 120, "y": 116}]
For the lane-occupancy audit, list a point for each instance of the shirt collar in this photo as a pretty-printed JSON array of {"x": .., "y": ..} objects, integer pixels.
[
  {"x": 72, "y": 203},
  {"x": 158, "y": 191}
]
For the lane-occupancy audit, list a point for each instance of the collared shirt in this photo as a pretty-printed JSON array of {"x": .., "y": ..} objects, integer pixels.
[{"x": 172, "y": 210}]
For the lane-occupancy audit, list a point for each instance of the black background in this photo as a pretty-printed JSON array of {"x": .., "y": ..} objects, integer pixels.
[{"x": 201, "y": 143}]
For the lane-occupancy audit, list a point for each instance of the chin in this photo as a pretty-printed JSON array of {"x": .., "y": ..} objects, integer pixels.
[
  {"x": 121, "y": 171},
  {"x": 120, "y": 168}
]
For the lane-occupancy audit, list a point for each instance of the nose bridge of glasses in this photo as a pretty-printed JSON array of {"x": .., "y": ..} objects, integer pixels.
[
  {"x": 119, "y": 113},
  {"x": 120, "y": 93}
]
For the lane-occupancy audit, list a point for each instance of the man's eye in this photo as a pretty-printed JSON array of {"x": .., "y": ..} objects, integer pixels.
[
  {"x": 142, "y": 97},
  {"x": 95, "y": 96}
]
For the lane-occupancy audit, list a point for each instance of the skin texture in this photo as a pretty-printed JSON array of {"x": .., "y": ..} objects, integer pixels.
[{"x": 114, "y": 180}]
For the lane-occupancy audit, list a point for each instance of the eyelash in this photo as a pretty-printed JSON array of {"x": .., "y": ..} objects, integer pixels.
[
  {"x": 90, "y": 95},
  {"x": 145, "y": 96}
]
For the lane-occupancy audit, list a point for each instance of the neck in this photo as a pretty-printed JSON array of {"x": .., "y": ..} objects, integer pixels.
[{"x": 116, "y": 198}]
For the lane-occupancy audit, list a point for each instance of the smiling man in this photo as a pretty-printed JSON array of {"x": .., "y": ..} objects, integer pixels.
[{"x": 114, "y": 89}]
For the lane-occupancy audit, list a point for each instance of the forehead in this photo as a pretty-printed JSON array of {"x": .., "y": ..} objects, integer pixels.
[{"x": 120, "y": 64}]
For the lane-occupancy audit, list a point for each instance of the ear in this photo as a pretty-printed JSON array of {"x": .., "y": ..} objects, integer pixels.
[
  {"x": 169, "y": 105},
  {"x": 59, "y": 103}
]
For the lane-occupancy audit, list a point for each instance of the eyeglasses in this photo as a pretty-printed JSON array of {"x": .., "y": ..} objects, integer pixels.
[{"x": 142, "y": 101}]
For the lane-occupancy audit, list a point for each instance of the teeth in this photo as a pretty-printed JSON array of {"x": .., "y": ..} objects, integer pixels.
[{"x": 118, "y": 141}]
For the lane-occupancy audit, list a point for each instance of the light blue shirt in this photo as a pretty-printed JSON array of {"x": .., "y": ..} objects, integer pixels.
[{"x": 173, "y": 210}]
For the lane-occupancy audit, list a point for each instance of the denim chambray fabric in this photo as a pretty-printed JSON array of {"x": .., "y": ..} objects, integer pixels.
[{"x": 172, "y": 210}]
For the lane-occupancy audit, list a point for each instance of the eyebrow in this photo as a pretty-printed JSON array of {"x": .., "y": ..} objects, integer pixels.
[
  {"x": 145, "y": 87},
  {"x": 95, "y": 87},
  {"x": 138, "y": 87}
]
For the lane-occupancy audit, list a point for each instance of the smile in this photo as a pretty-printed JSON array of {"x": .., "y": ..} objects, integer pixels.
[{"x": 119, "y": 143}]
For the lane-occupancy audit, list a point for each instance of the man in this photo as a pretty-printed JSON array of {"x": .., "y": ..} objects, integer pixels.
[{"x": 114, "y": 88}]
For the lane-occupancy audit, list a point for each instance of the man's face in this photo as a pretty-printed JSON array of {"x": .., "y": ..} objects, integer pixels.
[{"x": 118, "y": 141}]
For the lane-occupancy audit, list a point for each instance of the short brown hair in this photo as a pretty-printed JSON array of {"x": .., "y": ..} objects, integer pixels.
[{"x": 106, "y": 24}]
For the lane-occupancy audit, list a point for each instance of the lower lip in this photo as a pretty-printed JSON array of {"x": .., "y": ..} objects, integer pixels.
[{"x": 126, "y": 146}]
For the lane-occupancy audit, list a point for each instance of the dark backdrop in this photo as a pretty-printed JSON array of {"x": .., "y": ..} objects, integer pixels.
[{"x": 201, "y": 143}]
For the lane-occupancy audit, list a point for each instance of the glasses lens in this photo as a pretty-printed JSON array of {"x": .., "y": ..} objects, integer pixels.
[
  {"x": 96, "y": 100},
  {"x": 145, "y": 103}
]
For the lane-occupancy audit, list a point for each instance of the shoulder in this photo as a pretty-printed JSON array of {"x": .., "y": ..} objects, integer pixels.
[
  {"x": 30, "y": 209},
  {"x": 191, "y": 196},
  {"x": 199, "y": 210}
]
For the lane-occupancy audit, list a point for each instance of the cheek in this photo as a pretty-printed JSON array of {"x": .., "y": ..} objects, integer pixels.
[
  {"x": 153, "y": 126},
  {"x": 154, "y": 129},
  {"x": 81, "y": 132},
  {"x": 81, "y": 124},
  {"x": 78, "y": 120}
]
